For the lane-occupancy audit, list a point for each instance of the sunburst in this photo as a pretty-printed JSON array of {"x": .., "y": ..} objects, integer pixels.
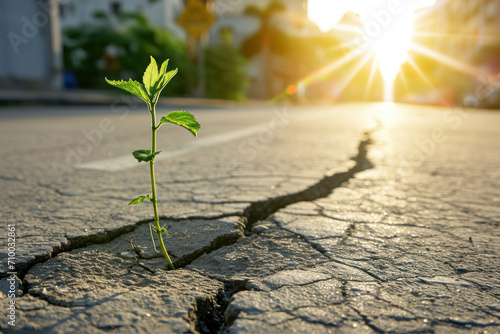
[{"x": 387, "y": 54}]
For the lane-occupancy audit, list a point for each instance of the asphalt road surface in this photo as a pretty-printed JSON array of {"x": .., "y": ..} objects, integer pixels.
[{"x": 356, "y": 218}]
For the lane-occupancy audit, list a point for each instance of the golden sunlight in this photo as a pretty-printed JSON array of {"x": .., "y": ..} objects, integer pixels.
[
  {"x": 391, "y": 46},
  {"x": 389, "y": 31},
  {"x": 387, "y": 28},
  {"x": 326, "y": 13}
]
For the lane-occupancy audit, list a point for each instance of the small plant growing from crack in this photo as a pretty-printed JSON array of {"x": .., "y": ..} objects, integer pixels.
[{"x": 154, "y": 82}]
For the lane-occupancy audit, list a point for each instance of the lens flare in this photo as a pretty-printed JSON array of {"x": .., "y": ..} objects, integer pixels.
[
  {"x": 291, "y": 89},
  {"x": 380, "y": 31},
  {"x": 389, "y": 31}
]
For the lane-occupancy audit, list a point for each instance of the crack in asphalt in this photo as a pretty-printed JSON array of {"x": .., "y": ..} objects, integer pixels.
[
  {"x": 323, "y": 252},
  {"x": 366, "y": 320},
  {"x": 256, "y": 211},
  {"x": 101, "y": 237},
  {"x": 262, "y": 210},
  {"x": 11, "y": 178},
  {"x": 203, "y": 315},
  {"x": 53, "y": 189},
  {"x": 209, "y": 313}
]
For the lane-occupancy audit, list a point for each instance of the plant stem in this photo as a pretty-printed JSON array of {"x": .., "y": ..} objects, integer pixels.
[{"x": 153, "y": 188}]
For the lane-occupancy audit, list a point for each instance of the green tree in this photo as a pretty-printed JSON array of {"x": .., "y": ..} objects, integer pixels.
[
  {"x": 225, "y": 73},
  {"x": 116, "y": 49},
  {"x": 261, "y": 40}
]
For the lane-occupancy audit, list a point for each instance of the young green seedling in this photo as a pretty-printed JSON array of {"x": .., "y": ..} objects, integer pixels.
[{"x": 154, "y": 82}]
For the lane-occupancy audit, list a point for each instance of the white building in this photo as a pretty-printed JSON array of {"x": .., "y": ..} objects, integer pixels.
[
  {"x": 31, "y": 50},
  {"x": 230, "y": 15},
  {"x": 224, "y": 7}
]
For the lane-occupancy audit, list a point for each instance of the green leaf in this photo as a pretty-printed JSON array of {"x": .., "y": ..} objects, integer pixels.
[
  {"x": 162, "y": 83},
  {"x": 132, "y": 87},
  {"x": 139, "y": 154},
  {"x": 150, "y": 78},
  {"x": 165, "y": 79},
  {"x": 163, "y": 68},
  {"x": 182, "y": 118},
  {"x": 140, "y": 199},
  {"x": 144, "y": 155}
]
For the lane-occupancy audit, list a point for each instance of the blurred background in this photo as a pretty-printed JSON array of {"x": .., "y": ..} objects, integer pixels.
[{"x": 438, "y": 52}]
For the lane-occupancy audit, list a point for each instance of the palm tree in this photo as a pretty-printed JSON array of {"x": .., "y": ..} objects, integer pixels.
[{"x": 261, "y": 40}]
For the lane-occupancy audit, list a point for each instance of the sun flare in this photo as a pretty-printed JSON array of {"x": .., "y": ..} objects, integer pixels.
[
  {"x": 391, "y": 47},
  {"x": 389, "y": 33},
  {"x": 326, "y": 13},
  {"x": 387, "y": 28}
]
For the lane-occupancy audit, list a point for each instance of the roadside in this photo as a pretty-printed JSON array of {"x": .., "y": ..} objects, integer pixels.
[{"x": 93, "y": 97}]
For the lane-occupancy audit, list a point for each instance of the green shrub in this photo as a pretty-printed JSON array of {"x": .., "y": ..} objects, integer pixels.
[
  {"x": 225, "y": 74},
  {"x": 116, "y": 48}
]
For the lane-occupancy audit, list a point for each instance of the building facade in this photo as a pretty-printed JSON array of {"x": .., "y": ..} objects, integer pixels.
[
  {"x": 464, "y": 26},
  {"x": 31, "y": 52}
]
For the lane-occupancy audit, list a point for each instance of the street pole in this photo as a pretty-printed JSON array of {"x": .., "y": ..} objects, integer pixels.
[
  {"x": 56, "y": 47},
  {"x": 201, "y": 68},
  {"x": 197, "y": 20}
]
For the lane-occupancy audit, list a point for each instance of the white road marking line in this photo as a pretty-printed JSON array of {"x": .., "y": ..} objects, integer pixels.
[{"x": 128, "y": 161}]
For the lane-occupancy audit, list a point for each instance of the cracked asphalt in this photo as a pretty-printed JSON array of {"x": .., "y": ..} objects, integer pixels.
[{"x": 359, "y": 218}]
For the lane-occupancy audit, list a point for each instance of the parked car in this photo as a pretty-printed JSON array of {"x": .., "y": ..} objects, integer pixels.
[{"x": 486, "y": 95}]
